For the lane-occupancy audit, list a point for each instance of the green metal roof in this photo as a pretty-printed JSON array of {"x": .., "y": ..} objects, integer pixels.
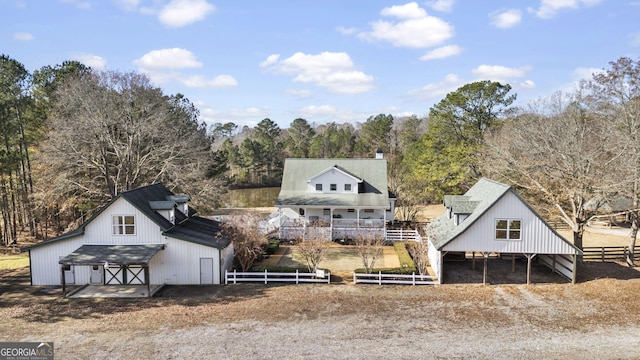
[
  {"x": 294, "y": 189},
  {"x": 112, "y": 254}
]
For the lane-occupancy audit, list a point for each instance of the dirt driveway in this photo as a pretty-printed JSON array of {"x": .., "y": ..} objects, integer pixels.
[{"x": 597, "y": 318}]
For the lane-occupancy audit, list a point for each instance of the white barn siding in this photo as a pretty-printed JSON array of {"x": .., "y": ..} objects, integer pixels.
[
  {"x": 435, "y": 260},
  {"x": 536, "y": 237},
  {"x": 333, "y": 177},
  {"x": 179, "y": 263}
]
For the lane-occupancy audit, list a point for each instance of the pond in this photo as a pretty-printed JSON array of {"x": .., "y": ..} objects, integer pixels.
[{"x": 251, "y": 198}]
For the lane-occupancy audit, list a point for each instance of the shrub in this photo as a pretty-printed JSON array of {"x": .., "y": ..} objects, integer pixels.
[
  {"x": 272, "y": 246},
  {"x": 403, "y": 255},
  {"x": 274, "y": 268}
]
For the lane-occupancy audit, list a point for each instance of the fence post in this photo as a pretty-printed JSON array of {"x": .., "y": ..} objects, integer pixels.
[
  {"x": 329, "y": 277},
  {"x": 354, "y": 278},
  {"x": 379, "y": 277},
  {"x": 414, "y": 278},
  {"x": 296, "y": 276},
  {"x": 234, "y": 276},
  {"x": 602, "y": 254},
  {"x": 265, "y": 276},
  {"x": 225, "y": 276}
]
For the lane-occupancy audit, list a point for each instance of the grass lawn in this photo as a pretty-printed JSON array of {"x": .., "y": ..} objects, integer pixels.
[{"x": 12, "y": 262}]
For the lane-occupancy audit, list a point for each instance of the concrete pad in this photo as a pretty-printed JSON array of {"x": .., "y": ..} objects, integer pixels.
[{"x": 114, "y": 291}]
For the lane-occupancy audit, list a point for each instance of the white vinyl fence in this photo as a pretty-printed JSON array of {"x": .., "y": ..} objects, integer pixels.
[
  {"x": 381, "y": 279},
  {"x": 233, "y": 277},
  {"x": 403, "y": 235}
]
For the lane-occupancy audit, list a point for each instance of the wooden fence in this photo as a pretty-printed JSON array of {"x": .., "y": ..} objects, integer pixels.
[
  {"x": 233, "y": 277},
  {"x": 608, "y": 253},
  {"x": 381, "y": 278}
]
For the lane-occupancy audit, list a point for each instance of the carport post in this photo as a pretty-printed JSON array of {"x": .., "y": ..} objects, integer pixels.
[
  {"x": 513, "y": 262},
  {"x": 484, "y": 270},
  {"x": 147, "y": 280},
  {"x": 473, "y": 260},
  {"x": 529, "y": 256},
  {"x": 64, "y": 281}
]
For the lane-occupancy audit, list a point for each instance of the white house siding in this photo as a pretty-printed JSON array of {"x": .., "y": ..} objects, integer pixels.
[
  {"x": 435, "y": 259},
  {"x": 333, "y": 177},
  {"x": 536, "y": 237}
]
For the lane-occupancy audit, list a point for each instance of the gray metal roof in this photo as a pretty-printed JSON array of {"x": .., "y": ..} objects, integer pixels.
[
  {"x": 112, "y": 254},
  {"x": 613, "y": 203},
  {"x": 481, "y": 197},
  {"x": 154, "y": 197},
  {"x": 294, "y": 187}
]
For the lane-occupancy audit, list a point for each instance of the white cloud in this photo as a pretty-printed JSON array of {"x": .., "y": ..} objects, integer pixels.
[
  {"x": 179, "y": 13},
  {"x": 413, "y": 29},
  {"x": 23, "y": 36},
  {"x": 581, "y": 73},
  {"x": 128, "y": 5},
  {"x": 199, "y": 81},
  {"x": 442, "y": 52},
  {"x": 549, "y": 8},
  {"x": 506, "y": 19},
  {"x": 436, "y": 91},
  {"x": 332, "y": 70},
  {"x": 346, "y": 31},
  {"x": 271, "y": 59},
  {"x": 441, "y": 5},
  {"x": 249, "y": 116},
  {"x": 491, "y": 72},
  {"x": 174, "y": 58},
  {"x": 92, "y": 61},
  {"x": 160, "y": 66}
]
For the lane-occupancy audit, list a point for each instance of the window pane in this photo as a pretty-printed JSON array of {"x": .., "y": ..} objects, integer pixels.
[
  {"x": 514, "y": 225},
  {"x": 347, "y": 187},
  {"x": 129, "y": 229},
  {"x": 514, "y": 234},
  {"x": 128, "y": 219},
  {"x": 501, "y": 224},
  {"x": 501, "y": 234},
  {"x": 117, "y": 230},
  {"x": 318, "y": 187},
  {"x": 334, "y": 187}
]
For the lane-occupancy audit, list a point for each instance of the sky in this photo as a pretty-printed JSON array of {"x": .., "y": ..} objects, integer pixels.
[{"x": 242, "y": 61}]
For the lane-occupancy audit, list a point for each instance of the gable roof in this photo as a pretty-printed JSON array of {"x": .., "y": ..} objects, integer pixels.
[
  {"x": 340, "y": 169},
  {"x": 479, "y": 198},
  {"x": 147, "y": 200},
  {"x": 373, "y": 172}
]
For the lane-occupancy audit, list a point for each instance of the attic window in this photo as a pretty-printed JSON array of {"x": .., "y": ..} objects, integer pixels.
[
  {"x": 318, "y": 187},
  {"x": 508, "y": 229},
  {"x": 333, "y": 187},
  {"x": 347, "y": 187},
  {"x": 123, "y": 225}
]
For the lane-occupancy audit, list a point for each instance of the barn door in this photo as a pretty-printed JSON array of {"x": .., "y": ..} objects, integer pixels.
[
  {"x": 96, "y": 274},
  {"x": 69, "y": 273},
  {"x": 206, "y": 270}
]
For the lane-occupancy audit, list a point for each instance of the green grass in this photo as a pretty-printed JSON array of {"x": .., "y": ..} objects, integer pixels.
[{"x": 11, "y": 262}]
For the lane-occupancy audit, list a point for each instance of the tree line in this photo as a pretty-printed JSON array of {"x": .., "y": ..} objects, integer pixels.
[{"x": 73, "y": 137}]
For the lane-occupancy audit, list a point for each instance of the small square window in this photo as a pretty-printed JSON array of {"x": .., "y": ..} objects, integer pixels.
[
  {"x": 347, "y": 187},
  {"x": 318, "y": 187},
  {"x": 351, "y": 210},
  {"x": 508, "y": 229},
  {"x": 326, "y": 211},
  {"x": 333, "y": 187},
  {"x": 368, "y": 210}
]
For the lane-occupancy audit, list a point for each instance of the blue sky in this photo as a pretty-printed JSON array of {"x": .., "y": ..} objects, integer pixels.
[{"x": 330, "y": 60}]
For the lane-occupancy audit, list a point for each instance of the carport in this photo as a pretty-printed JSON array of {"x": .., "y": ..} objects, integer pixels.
[{"x": 121, "y": 265}]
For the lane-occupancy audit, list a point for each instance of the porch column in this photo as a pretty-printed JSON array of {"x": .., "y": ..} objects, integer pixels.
[
  {"x": 358, "y": 217},
  {"x": 384, "y": 224},
  {"x": 529, "y": 256}
]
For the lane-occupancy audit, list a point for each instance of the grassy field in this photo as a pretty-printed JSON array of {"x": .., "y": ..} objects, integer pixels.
[{"x": 11, "y": 262}]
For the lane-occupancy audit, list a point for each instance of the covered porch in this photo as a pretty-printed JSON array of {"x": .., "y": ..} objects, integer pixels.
[
  {"x": 125, "y": 268},
  {"x": 332, "y": 223}
]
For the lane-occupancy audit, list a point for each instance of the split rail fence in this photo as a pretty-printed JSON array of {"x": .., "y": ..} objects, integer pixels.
[
  {"x": 233, "y": 277},
  {"x": 608, "y": 253},
  {"x": 381, "y": 279}
]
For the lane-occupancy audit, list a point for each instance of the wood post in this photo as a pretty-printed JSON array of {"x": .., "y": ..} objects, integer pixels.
[
  {"x": 484, "y": 271},
  {"x": 513, "y": 262},
  {"x": 473, "y": 260},
  {"x": 64, "y": 282},
  {"x": 529, "y": 256},
  {"x": 147, "y": 280}
]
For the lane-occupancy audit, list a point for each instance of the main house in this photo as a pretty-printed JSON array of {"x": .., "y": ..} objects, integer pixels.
[
  {"x": 143, "y": 236},
  {"x": 492, "y": 218},
  {"x": 334, "y": 198}
]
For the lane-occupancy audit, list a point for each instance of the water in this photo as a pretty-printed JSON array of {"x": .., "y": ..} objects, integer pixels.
[{"x": 250, "y": 198}]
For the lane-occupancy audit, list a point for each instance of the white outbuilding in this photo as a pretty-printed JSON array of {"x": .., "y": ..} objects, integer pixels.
[
  {"x": 146, "y": 236},
  {"x": 492, "y": 218}
]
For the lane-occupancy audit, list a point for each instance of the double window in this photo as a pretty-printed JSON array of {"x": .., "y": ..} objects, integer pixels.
[
  {"x": 508, "y": 229},
  {"x": 123, "y": 225}
]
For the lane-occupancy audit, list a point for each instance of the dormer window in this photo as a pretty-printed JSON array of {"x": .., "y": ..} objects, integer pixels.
[
  {"x": 333, "y": 187},
  {"x": 318, "y": 187},
  {"x": 347, "y": 187}
]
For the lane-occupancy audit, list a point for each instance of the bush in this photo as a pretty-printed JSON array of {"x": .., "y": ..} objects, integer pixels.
[
  {"x": 283, "y": 269},
  {"x": 397, "y": 271},
  {"x": 403, "y": 255},
  {"x": 272, "y": 247}
]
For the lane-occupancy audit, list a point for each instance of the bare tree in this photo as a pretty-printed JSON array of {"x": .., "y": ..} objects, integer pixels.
[
  {"x": 370, "y": 249},
  {"x": 559, "y": 149},
  {"x": 617, "y": 90},
  {"x": 247, "y": 237},
  {"x": 420, "y": 254},
  {"x": 313, "y": 251}
]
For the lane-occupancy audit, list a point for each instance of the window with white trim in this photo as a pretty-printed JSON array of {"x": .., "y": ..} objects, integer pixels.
[
  {"x": 508, "y": 229},
  {"x": 333, "y": 187},
  {"x": 123, "y": 225},
  {"x": 318, "y": 187},
  {"x": 347, "y": 187}
]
